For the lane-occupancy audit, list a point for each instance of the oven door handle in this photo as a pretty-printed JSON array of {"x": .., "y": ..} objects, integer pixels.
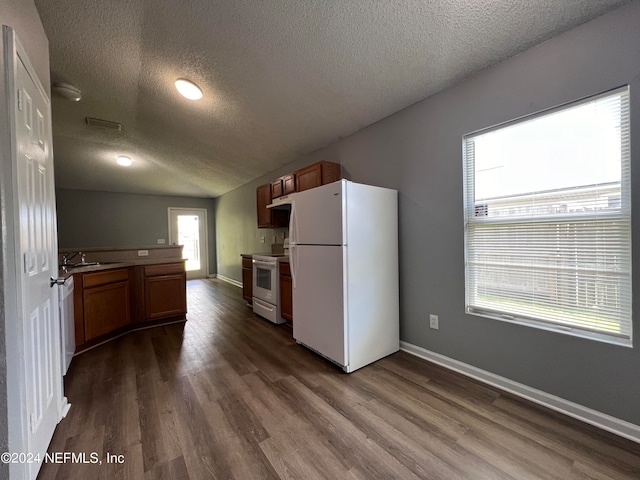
[{"x": 269, "y": 265}]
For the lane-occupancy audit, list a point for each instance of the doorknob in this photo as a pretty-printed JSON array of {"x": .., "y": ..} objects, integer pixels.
[{"x": 56, "y": 281}]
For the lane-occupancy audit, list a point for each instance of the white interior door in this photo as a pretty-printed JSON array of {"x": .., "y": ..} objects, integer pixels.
[
  {"x": 188, "y": 227},
  {"x": 37, "y": 243}
]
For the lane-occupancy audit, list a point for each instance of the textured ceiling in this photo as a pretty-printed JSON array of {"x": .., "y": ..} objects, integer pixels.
[{"x": 281, "y": 78}]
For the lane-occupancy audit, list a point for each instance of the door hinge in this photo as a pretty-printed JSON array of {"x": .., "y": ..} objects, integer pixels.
[
  {"x": 20, "y": 99},
  {"x": 24, "y": 262},
  {"x": 32, "y": 421}
]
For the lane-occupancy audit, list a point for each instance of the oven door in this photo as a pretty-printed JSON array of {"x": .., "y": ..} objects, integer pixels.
[{"x": 265, "y": 284}]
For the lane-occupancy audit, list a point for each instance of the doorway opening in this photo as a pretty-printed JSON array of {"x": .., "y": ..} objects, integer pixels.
[{"x": 188, "y": 227}]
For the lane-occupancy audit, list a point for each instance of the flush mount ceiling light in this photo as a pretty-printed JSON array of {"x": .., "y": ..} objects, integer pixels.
[
  {"x": 124, "y": 161},
  {"x": 188, "y": 89},
  {"x": 67, "y": 91}
]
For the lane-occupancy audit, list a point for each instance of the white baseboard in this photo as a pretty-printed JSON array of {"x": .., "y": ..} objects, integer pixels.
[
  {"x": 229, "y": 280},
  {"x": 593, "y": 417}
]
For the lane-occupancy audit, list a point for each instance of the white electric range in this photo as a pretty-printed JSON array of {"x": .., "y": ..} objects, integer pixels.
[{"x": 266, "y": 291}]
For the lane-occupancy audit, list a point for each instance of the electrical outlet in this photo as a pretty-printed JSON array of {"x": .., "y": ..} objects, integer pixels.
[
  {"x": 434, "y": 322},
  {"x": 261, "y": 238},
  {"x": 143, "y": 253},
  {"x": 160, "y": 241}
]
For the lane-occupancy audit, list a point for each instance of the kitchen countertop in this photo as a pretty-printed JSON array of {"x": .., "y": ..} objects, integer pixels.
[{"x": 111, "y": 265}]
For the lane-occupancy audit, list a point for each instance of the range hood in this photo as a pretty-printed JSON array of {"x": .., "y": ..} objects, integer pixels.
[{"x": 283, "y": 202}]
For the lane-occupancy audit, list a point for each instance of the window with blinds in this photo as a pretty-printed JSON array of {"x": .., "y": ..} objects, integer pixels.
[{"x": 548, "y": 219}]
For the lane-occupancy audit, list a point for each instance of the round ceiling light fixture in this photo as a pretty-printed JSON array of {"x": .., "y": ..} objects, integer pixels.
[
  {"x": 67, "y": 91},
  {"x": 188, "y": 89},
  {"x": 124, "y": 161}
]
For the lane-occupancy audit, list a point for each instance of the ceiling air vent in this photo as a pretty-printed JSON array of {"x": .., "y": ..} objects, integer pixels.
[{"x": 97, "y": 122}]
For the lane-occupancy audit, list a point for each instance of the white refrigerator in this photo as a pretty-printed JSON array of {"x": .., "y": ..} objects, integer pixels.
[{"x": 344, "y": 263}]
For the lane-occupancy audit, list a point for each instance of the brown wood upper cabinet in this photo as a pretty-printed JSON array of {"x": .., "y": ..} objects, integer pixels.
[
  {"x": 289, "y": 184},
  {"x": 268, "y": 218},
  {"x": 276, "y": 188},
  {"x": 312, "y": 176},
  {"x": 283, "y": 186},
  {"x": 317, "y": 174}
]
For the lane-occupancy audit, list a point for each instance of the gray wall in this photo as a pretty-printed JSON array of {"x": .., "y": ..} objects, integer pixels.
[
  {"x": 418, "y": 152},
  {"x": 22, "y": 16},
  {"x": 104, "y": 219}
]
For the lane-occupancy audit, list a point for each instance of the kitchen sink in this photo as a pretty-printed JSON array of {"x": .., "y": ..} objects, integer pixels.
[{"x": 85, "y": 264}]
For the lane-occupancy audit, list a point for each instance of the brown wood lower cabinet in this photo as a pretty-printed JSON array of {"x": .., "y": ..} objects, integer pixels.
[
  {"x": 286, "y": 292},
  {"x": 106, "y": 308},
  {"x": 165, "y": 291},
  {"x": 105, "y": 303},
  {"x": 247, "y": 278},
  {"x": 108, "y": 303}
]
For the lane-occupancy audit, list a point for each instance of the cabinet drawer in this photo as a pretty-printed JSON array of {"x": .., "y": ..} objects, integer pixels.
[
  {"x": 247, "y": 262},
  {"x": 163, "y": 269},
  {"x": 109, "y": 276},
  {"x": 285, "y": 269}
]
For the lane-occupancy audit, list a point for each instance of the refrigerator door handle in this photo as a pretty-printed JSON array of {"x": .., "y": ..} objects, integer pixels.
[
  {"x": 293, "y": 225},
  {"x": 293, "y": 254},
  {"x": 293, "y": 239}
]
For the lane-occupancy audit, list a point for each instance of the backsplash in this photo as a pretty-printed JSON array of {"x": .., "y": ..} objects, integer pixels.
[{"x": 122, "y": 254}]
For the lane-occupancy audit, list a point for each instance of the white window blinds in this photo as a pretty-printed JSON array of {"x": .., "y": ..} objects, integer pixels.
[{"x": 548, "y": 219}]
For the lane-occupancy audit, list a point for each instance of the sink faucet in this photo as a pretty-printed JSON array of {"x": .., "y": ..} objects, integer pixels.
[{"x": 69, "y": 256}]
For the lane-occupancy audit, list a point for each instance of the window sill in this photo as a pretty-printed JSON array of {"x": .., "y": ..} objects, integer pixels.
[{"x": 599, "y": 337}]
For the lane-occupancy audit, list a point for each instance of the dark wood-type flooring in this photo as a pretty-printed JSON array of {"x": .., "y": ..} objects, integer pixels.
[{"x": 229, "y": 395}]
